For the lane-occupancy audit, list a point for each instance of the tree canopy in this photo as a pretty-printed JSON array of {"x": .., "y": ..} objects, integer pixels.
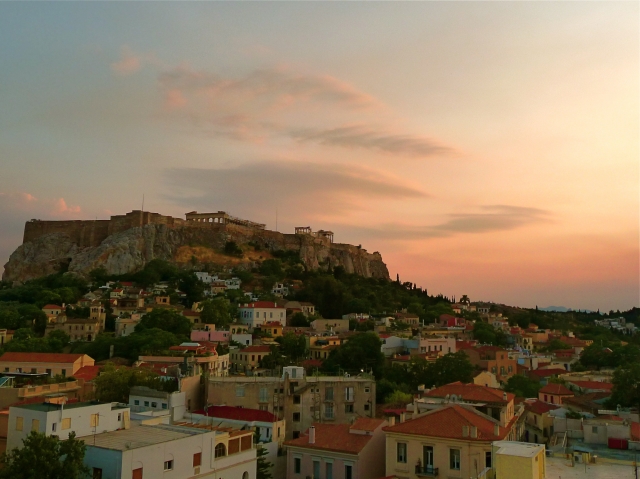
[
  {"x": 46, "y": 457},
  {"x": 361, "y": 353},
  {"x": 113, "y": 384},
  {"x": 167, "y": 320}
]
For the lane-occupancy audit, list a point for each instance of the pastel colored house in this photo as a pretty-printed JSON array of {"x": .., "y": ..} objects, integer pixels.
[
  {"x": 554, "y": 393},
  {"x": 248, "y": 359},
  {"x": 50, "y": 363},
  {"x": 539, "y": 421},
  {"x": 338, "y": 451},
  {"x": 260, "y": 312},
  {"x": 519, "y": 460},
  {"x": 454, "y": 441}
]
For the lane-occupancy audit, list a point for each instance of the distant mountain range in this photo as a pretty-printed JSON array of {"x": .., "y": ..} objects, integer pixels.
[{"x": 561, "y": 309}]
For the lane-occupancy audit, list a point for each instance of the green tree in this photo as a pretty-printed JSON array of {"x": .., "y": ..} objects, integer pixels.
[
  {"x": 626, "y": 386},
  {"x": 263, "y": 467},
  {"x": 46, "y": 457},
  {"x": 556, "y": 344},
  {"x": 522, "y": 386},
  {"x": 113, "y": 384},
  {"x": 399, "y": 398},
  {"x": 293, "y": 346},
  {"x": 361, "y": 353},
  {"x": 299, "y": 320},
  {"x": 450, "y": 368},
  {"x": 232, "y": 249},
  {"x": 487, "y": 334},
  {"x": 167, "y": 320},
  {"x": 216, "y": 311}
]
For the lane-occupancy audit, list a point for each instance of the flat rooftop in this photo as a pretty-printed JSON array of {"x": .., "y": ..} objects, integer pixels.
[
  {"x": 140, "y": 436},
  {"x": 46, "y": 406},
  {"x": 520, "y": 449}
]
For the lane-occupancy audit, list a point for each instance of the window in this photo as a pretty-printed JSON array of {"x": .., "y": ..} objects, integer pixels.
[
  {"x": 348, "y": 394},
  {"x": 348, "y": 471},
  {"x": 366, "y": 407},
  {"x": 263, "y": 407},
  {"x": 296, "y": 399},
  {"x": 296, "y": 417},
  {"x": 97, "y": 473},
  {"x": 454, "y": 459},
  {"x": 348, "y": 408},
  {"x": 95, "y": 420},
  {"x": 328, "y": 471},
  {"x": 35, "y": 425},
  {"x": 328, "y": 394},
  {"x": 136, "y": 402},
  {"x": 316, "y": 469},
  {"x": 296, "y": 434},
  {"x": 154, "y": 404},
  {"x": 197, "y": 459},
  {"x": 594, "y": 429},
  {"x": 367, "y": 390},
  {"x": 53, "y": 427},
  {"x": 66, "y": 424},
  {"x": 19, "y": 421},
  {"x": 487, "y": 459},
  {"x": 220, "y": 450},
  {"x": 239, "y": 392},
  {"x": 119, "y": 417},
  {"x": 64, "y": 372},
  {"x": 164, "y": 405},
  {"x": 328, "y": 411},
  {"x": 168, "y": 465},
  {"x": 401, "y": 449},
  {"x": 146, "y": 403},
  {"x": 34, "y": 370},
  {"x": 297, "y": 465},
  {"x": 263, "y": 395}
]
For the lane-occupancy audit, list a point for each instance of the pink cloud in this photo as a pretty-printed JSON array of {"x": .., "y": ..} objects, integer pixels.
[
  {"x": 61, "y": 208},
  {"x": 175, "y": 99},
  {"x": 129, "y": 62}
]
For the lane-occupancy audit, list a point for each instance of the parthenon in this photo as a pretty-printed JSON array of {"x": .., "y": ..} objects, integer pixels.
[
  {"x": 306, "y": 230},
  {"x": 221, "y": 217}
]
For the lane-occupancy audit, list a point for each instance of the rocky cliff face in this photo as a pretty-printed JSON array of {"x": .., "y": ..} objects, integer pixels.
[{"x": 128, "y": 251}]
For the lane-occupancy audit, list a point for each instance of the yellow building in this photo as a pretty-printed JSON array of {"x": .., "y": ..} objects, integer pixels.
[
  {"x": 454, "y": 441},
  {"x": 519, "y": 460}
]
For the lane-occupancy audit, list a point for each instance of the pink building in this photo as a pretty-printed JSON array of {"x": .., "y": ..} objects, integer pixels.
[
  {"x": 339, "y": 451},
  {"x": 213, "y": 336}
]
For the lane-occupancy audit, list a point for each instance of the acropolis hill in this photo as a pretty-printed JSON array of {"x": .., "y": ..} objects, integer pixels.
[{"x": 125, "y": 243}]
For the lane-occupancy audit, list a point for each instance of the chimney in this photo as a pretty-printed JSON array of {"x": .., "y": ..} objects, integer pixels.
[
  {"x": 312, "y": 435},
  {"x": 496, "y": 430},
  {"x": 465, "y": 431},
  {"x": 391, "y": 420},
  {"x": 474, "y": 432}
]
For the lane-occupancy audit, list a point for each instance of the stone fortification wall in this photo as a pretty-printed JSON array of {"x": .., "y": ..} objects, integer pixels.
[{"x": 125, "y": 243}]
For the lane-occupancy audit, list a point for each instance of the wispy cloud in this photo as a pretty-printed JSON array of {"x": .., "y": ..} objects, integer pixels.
[
  {"x": 300, "y": 188},
  {"x": 492, "y": 218},
  {"x": 365, "y": 137},
  {"x": 129, "y": 62}
]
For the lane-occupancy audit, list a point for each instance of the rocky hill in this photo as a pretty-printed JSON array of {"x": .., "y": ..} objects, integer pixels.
[{"x": 61, "y": 247}]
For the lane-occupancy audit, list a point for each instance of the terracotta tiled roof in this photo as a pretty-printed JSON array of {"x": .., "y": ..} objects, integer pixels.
[
  {"x": 88, "y": 373},
  {"x": 333, "y": 437},
  {"x": 448, "y": 423},
  {"x": 256, "y": 349},
  {"x": 40, "y": 357},
  {"x": 553, "y": 388},
  {"x": 539, "y": 407},
  {"x": 52, "y": 306},
  {"x": 545, "y": 373},
  {"x": 238, "y": 414},
  {"x": 592, "y": 385},
  {"x": 471, "y": 392},
  {"x": 366, "y": 424}
]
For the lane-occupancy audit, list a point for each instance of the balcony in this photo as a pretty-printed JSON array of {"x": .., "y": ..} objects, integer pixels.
[{"x": 426, "y": 471}]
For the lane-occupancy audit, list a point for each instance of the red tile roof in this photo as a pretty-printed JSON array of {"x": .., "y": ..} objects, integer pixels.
[
  {"x": 471, "y": 392},
  {"x": 366, "y": 424},
  {"x": 52, "y": 306},
  {"x": 448, "y": 422},
  {"x": 88, "y": 373},
  {"x": 256, "y": 349},
  {"x": 238, "y": 414},
  {"x": 40, "y": 357},
  {"x": 545, "y": 373},
  {"x": 557, "y": 389},
  {"x": 592, "y": 385},
  {"x": 334, "y": 437},
  {"x": 539, "y": 407}
]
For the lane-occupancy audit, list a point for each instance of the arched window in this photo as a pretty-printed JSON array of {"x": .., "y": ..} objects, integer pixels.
[
  {"x": 245, "y": 475},
  {"x": 220, "y": 450}
]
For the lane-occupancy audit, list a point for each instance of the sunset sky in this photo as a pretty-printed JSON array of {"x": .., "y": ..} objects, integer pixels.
[{"x": 487, "y": 149}]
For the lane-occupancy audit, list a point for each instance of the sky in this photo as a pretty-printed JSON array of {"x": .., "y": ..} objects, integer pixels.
[{"x": 484, "y": 148}]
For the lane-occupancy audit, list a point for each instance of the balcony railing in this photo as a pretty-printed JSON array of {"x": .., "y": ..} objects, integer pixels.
[{"x": 427, "y": 471}]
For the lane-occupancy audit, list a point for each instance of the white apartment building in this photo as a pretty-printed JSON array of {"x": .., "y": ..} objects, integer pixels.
[
  {"x": 148, "y": 403},
  {"x": 260, "y": 312},
  {"x": 172, "y": 452},
  {"x": 83, "y": 418}
]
